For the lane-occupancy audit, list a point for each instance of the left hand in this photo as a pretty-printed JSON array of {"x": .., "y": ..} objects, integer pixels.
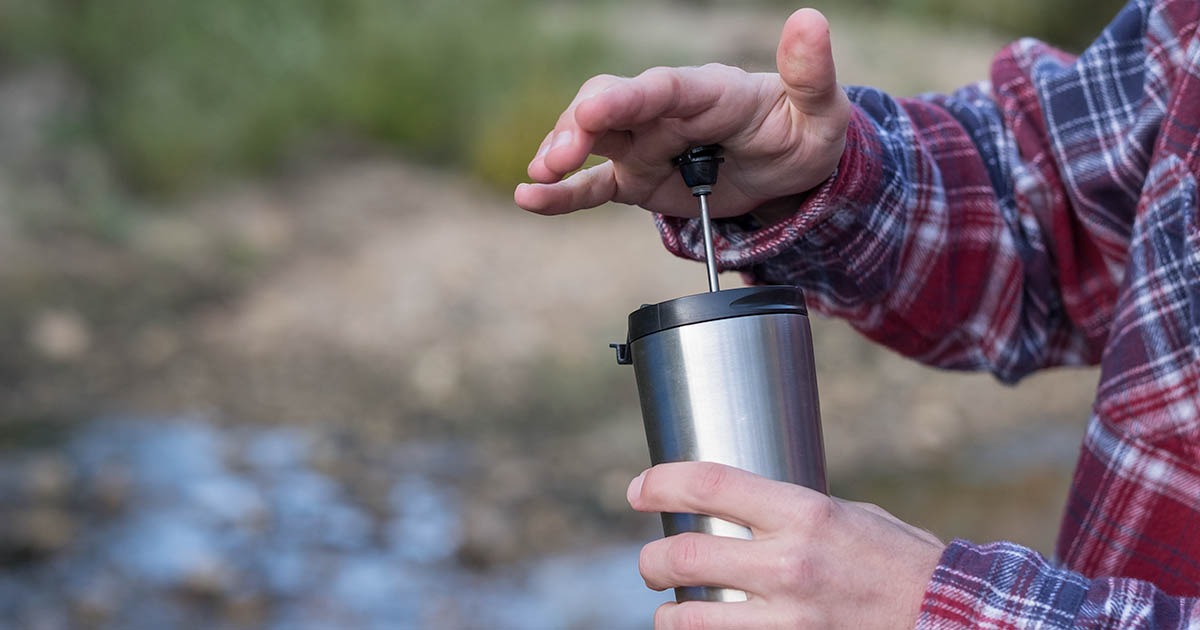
[
  {"x": 783, "y": 133},
  {"x": 814, "y": 562}
]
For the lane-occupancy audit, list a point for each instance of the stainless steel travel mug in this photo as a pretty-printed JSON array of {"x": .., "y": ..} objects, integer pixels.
[{"x": 728, "y": 377}]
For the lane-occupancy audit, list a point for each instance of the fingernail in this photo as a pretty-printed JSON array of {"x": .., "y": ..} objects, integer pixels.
[
  {"x": 561, "y": 140},
  {"x": 635, "y": 488}
]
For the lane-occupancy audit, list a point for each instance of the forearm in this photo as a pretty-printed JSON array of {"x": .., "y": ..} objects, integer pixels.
[
  {"x": 917, "y": 240},
  {"x": 987, "y": 229}
]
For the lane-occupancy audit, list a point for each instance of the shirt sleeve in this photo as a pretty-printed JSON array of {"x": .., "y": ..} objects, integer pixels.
[
  {"x": 1003, "y": 585},
  {"x": 983, "y": 229},
  {"x": 990, "y": 228}
]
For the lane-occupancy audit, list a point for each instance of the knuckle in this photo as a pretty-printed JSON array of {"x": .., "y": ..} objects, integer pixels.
[
  {"x": 665, "y": 79},
  {"x": 712, "y": 480},
  {"x": 871, "y": 507},
  {"x": 824, "y": 511},
  {"x": 684, "y": 616},
  {"x": 810, "y": 91},
  {"x": 812, "y": 515},
  {"x": 658, "y": 71},
  {"x": 662, "y": 74},
  {"x": 798, "y": 571},
  {"x": 565, "y": 119},
  {"x": 720, "y": 68},
  {"x": 683, "y": 557},
  {"x": 599, "y": 81}
]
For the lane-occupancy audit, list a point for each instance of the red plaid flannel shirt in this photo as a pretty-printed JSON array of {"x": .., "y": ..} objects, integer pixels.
[{"x": 1045, "y": 217}]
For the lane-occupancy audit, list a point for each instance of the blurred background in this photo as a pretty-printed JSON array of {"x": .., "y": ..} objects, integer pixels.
[{"x": 277, "y": 349}]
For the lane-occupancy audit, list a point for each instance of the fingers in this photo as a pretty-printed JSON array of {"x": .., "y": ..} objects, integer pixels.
[
  {"x": 606, "y": 107},
  {"x": 692, "y": 559},
  {"x": 586, "y": 189},
  {"x": 711, "y": 615},
  {"x": 805, "y": 63},
  {"x": 655, "y": 94},
  {"x": 566, "y": 147},
  {"x": 763, "y": 505}
]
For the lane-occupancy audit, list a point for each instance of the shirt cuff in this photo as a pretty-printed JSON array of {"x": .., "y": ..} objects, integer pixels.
[
  {"x": 1000, "y": 585},
  {"x": 741, "y": 242}
]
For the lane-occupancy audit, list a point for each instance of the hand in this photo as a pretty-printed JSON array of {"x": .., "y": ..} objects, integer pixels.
[
  {"x": 814, "y": 562},
  {"x": 783, "y": 133}
]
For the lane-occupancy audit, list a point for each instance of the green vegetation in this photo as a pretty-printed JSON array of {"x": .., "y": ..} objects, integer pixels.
[
  {"x": 181, "y": 89},
  {"x": 1070, "y": 24}
]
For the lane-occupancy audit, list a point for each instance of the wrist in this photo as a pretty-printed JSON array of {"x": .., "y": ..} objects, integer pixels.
[{"x": 778, "y": 210}]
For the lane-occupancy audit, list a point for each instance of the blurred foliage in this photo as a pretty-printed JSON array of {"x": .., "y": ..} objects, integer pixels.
[
  {"x": 1069, "y": 24},
  {"x": 179, "y": 89}
]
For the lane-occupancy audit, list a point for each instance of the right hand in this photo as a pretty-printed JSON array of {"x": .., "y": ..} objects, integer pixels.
[{"x": 783, "y": 134}]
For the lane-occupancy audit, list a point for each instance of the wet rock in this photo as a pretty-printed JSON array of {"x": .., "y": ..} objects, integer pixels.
[
  {"x": 47, "y": 478},
  {"x": 34, "y": 479},
  {"x": 31, "y": 533},
  {"x": 210, "y": 579},
  {"x": 246, "y": 610},
  {"x": 237, "y": 528},
  {"x": 510, "y": 478},
  {"x": 490, "y": 536},
  {"x": 330, "y": 457},
  {"x": 110, "y": 488},
  {"x": 96, "y": 600},
  {"x": 547, "y": 526}
]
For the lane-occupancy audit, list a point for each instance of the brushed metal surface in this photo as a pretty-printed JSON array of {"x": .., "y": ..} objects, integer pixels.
[{"x": 739, "y": 391}]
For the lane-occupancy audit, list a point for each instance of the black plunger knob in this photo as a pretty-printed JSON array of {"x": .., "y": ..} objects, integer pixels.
[{"x": 698, "y": 165}]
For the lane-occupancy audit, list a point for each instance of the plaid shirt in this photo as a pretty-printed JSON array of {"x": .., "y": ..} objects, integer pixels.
[{"x": 1045, "y": 217}]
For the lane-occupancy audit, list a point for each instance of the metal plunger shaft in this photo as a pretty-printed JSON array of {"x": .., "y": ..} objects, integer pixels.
[
  {"x": 699, "y": 169},
  {"x": 710, "y": 255}
]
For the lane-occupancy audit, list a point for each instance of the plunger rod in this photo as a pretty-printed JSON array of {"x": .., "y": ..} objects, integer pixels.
[
  {"x": 710, "y": 255},
  {"x": 698, "y": 166}
]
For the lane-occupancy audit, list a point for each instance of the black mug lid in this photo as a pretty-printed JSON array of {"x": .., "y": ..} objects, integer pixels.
[{"x": 704, "y": 307}]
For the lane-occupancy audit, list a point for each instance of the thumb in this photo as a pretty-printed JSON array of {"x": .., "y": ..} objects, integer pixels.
[{"x": 805, "y": 62}]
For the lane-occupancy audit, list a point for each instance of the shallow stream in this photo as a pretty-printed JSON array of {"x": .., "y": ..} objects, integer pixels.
[{"x": 183, "y": 522}]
